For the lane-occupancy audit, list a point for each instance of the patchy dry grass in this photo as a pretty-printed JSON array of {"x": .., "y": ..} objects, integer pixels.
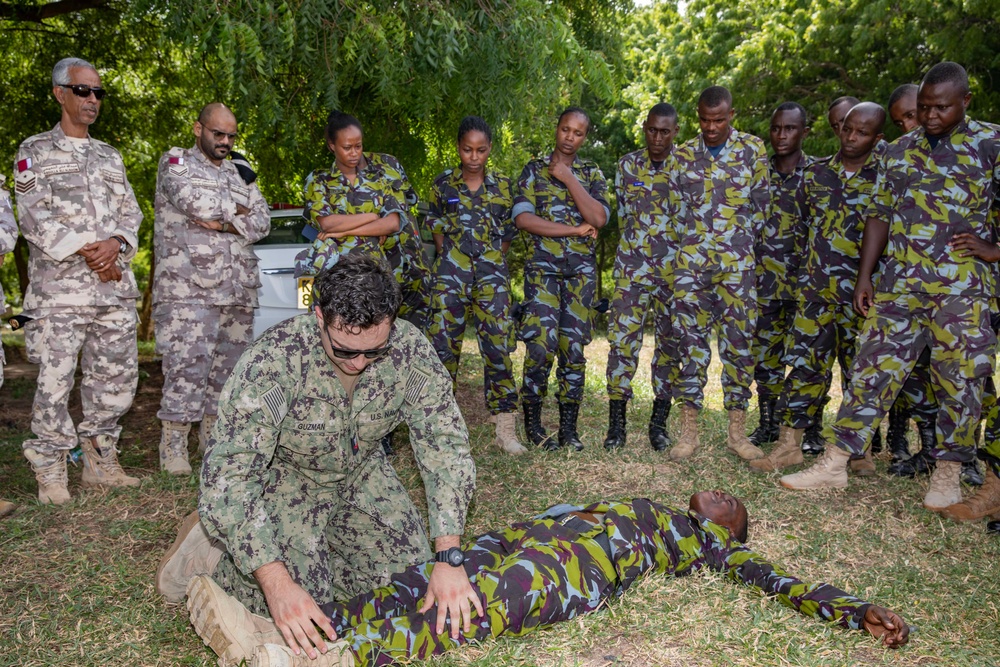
[{"x": 76, "y": 582}]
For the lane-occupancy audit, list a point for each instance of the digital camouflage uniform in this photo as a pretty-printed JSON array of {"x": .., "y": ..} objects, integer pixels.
[
  {"x": 718, "y": 207},
  {"x": 778, "y": 252},
  {"x": 546, "y": 570},
  {"x": 472, "y": 278},
  {"x": 295, "y": 472},
  {"x": 928, "y": 295},
  {"x": 8, "y": 237},
  {"x": 559, "y": 281},
  {"x": 826, "y": 326},
  {"x": 71, "y": 193},
  {"x": 642, "y": 277},
  {"x": 205, "y": 282},
  {"x": 328, "y": 192}
]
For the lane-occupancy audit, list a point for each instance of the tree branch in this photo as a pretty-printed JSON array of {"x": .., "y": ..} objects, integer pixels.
[{"x": 38, "y": 13}]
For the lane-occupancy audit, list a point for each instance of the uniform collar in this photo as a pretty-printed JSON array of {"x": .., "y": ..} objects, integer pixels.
[
  {"x": 961, "y": 128},
  {"x": 577, "y": 162},
  {"x": 455, "y": 178},
  {"x": 63, "y": 142},
  {"x": 837, "y": 164},
  {"x": 799, "y": 166}
]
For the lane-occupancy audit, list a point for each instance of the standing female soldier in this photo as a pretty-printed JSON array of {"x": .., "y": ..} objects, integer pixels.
[
  {"x": 562, "y": 202},
  {"x": 352, "y": 203},
  {"x": 470, "y": 219}
]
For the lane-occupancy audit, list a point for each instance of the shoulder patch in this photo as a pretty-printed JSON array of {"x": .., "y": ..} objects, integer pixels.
[
  {"x": 274, "y": 401},
  {"x": 24, "y": 165},
  {"x": 415, "y": 385},
  {"x": 175, "y": 159},
  {"x": 25, "y": 182}
]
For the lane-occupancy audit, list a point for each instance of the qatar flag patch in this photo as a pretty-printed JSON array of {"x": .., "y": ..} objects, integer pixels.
[
  {"x": 176, "y": 166},
  {"x": 24, "y": 165}
]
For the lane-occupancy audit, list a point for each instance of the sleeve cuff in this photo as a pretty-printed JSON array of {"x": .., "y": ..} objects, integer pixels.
[{"x": 522, "y": 207}]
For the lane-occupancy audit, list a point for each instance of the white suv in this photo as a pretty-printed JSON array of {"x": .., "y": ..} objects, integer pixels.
[{"x": 280, "y": 295}]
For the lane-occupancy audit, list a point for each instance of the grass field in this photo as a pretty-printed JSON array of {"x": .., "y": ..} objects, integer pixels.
[{"x": 76, "y": 582}]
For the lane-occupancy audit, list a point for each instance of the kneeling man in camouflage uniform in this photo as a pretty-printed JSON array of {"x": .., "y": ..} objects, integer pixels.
[{"x": 295, "y": 484}]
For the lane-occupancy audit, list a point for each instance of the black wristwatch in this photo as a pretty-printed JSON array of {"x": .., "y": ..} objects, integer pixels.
[
  {"x": 454, "y": 557},
  {"x": 122, "y": 244}
]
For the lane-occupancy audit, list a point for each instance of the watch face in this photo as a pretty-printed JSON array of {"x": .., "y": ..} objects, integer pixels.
[{"x": 455, "y": 556}]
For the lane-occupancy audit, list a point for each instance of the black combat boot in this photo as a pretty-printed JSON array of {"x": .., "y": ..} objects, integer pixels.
[
  {"x": 876, "y": 441},
  {"x": 899, "y": 422},
  {"x": 812, "y": 440},
  {"x": 766, "y": 431},
  {"x": 993, "y": 527},
  {"x": 616, "y": 425},
  {"x": 568, "y": 412},
  {"x": 970, "y": 473},
  {"x": 658, "y": 436},
  {"x": 921, "y": 462},
  {"x": 533, "y": 423}
]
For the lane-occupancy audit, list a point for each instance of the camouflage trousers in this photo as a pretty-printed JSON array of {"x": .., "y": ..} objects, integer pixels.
[
  {"x": 528, "y": 577},
  {"x": 200, "y": 346},
  {"x": 724, "y": 301},
  {"x": 629, "y": 306},
  {"x": 917, "y": 394},
  {"x": 823, "y": 334},
  {"x": 105, "y": 339},
  {"x": 555, "y": 318},
  {"x": 957, "y": 331},
  {"x": 771, "y": 336},
  {"x": 488, "y": 306},
  {"x": 338, "y": 542},
  {"x": 990, "y": 451},
  {"x": 414, "y": 281}
]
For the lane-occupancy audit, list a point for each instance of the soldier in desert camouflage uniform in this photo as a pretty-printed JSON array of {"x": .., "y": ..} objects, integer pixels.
[
  {"x": 566, "y": 562},
  {"x": 934, "y": 183},
  {"x": 470, "y": 219},
  {"x": 80, "y": 218},
  {"x": 778, "y": 252},
  {"x": 295, "y": 483},
  {"x": 836, "y": 194},
  {"x": 642, "y": 279},
  {"x": 8, "y": 237},
  {"x": 205, "y": 282},
  {"x": 718, "y": 199},
  {"x": 561, "y": 201}
]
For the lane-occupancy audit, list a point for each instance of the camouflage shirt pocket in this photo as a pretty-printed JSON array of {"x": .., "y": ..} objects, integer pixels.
[
  {"x": 69, "y": 193},
  {"x": 208, "y": 266},
  {"x": 691, "y": 188}
]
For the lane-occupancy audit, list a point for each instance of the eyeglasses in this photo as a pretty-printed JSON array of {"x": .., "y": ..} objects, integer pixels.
[
  {"x": 219, "y": 136},
  {"x": 342, "y": 353},
  {"x": 83, "y": 90}
]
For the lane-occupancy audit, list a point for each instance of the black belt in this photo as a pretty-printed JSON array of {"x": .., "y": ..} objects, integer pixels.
[{"x": 574, "y": 521}]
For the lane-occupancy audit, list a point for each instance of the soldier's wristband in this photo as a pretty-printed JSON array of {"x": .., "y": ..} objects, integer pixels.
[{"x": 225, "y": 228}]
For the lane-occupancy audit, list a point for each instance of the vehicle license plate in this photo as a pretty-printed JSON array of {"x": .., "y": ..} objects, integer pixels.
[{"x": 305, "y": 292}]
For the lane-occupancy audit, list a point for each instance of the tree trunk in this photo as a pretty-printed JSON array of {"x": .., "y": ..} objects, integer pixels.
[
  {"x": 145, "y": 331},
  {"x": 21, "y": 262}
]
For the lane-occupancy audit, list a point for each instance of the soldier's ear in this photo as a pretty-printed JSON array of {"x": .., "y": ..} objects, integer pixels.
[{"x": 196, "y": 128}]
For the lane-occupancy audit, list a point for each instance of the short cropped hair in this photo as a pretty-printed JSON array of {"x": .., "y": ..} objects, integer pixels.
[
  {"x": 714, "y": 97},
  {"x": 358, "y": 292},
  {"x": 663, "y": 110},
  {"x": 950, "y": 72},
  {"x": 577, "y": 110},
  {"x": 794, "y": 106},
  {"x": 474, "y": 124},
  {"x": 60, "y": 73},
  {"x": 850, "y": 99},
  {"x": 902, "y": 91},
  {"x": 337, "y": 121}
]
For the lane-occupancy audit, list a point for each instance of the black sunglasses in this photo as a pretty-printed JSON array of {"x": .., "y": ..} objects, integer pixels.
[
  {"x": 342, "y": 353},
  {"x": 83, "y": 90}
]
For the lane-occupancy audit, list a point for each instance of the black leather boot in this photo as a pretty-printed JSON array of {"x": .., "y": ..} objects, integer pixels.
[
  {"x": 899, "y": 422},
  {"x": 658, "y": 436},
  {"x": 766, "y": 431},
  {"x": 993, "y": 527},
  {"x": 921, "y": 462},
  {"x": 616, "y": 425},
  {"x": 877, "y": 441},
  {"x": 568, "y": 412},
  {"x": 970, "y": 473},
  {"x": 812, "y": 440},
  {"x": 533, "y": 423}
]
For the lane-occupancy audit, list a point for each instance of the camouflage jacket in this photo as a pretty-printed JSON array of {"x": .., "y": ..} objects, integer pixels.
[
  {"x": 68, "y": 196},
  {"x": 644, "y": 248},
  {"x": 474, "y": 225},
  {"x": 834, "y": 211},
  {"x": 327, "y": 191},
  {"x": 546, "y": 197},
  {"x": 8, "y": 232},
  {"x": 197, "y": 265},
  {"x": 927, "y": 196},
  {"x": 288, "y": 434},
  {"x": 650, "y": 538},
  {"x": 717, "y": 206},
  {"x": 407, "y": 243},
  {"x": 781, "y": 244}
]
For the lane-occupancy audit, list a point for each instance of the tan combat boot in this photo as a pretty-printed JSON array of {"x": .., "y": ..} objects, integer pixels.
[
  {"x": 174, "y": 448},
  {"x": 788, "y": 451},
  {"x": 100, "y": 463},
  {"x": 225, "y": 625},
  {"x": 946, "y": 487},
  {"x": 863, "y": 467},
  {"x": 6, "y": 508},
  {"x": 194, "y": 552},
  {"x": 50, "y": 471},
  {"x": 828, "y": 472},
  {"x": 687, "y": 443},
  {"x": 984, "y": 503},
  {"x": 506, "y": 434},
  {"x": 205, "y": 431},
  {"x": 338, "y": 654},
  {"x": 738, "y": 442}
]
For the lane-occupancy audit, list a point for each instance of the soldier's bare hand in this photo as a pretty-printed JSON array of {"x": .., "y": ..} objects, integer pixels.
[
  {"x": 210, "y": 225},
  {"x": 294, "y": 611},
  {"x": 585, "y": 230},
  {"x": 100, "y": 255},
  {"x": 560, "y": 171},
  {"x": 886, "y": 625},
  {"x": 110, "y": 274},
  {"x": 970, "y": 245},
  {"x": 864, "y": 296},
  {"x": 241, "y": 209},
  {"x": 450, "y": 589}
]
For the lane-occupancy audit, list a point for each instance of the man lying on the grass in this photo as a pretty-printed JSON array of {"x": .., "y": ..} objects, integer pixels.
[{"x": 565, "y": 562}]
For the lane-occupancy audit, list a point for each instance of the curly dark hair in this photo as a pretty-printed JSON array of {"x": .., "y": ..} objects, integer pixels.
[{"x": 358, "y": 292}]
